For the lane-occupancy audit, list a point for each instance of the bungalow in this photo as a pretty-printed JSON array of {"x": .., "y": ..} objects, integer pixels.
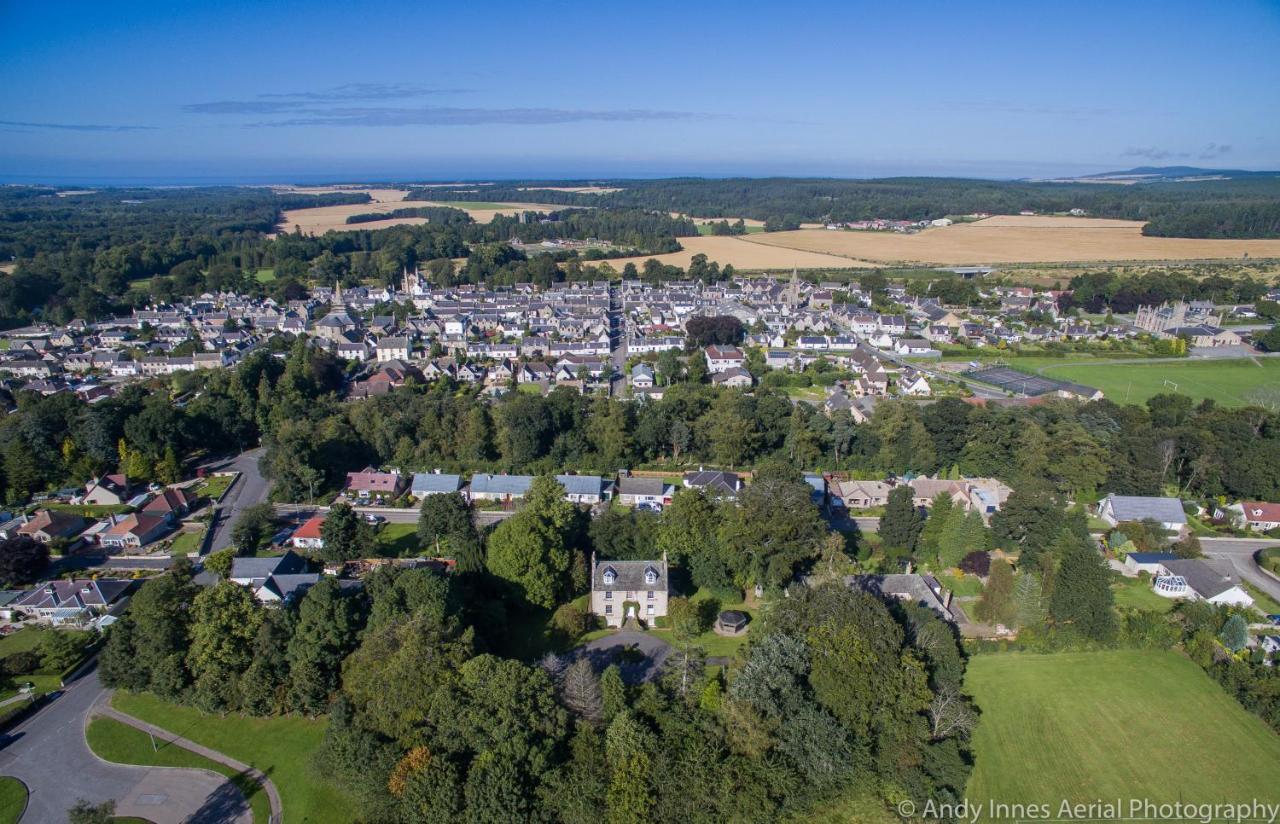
[
  {"x": 278, "y": 579},
  {"x": 1258, "y": 516},
  {"x": 1151, "y": 563},
  {"x": 1115, "y": 509},
  {"x": 134, "y": 531},
  {"x": 370, "y": 484},
  {"x": 724, "y": 358},
  {"x": 434, "y": 483},
  {"x": 1197, "y": 580},
  {"x": 486, "y": 487},
  {"x": 652, "y": 491},
  {"x": 735, "y": 378},
  {"x": 714, "y": 482},
  {"x": 308, "y": 536},
  {"x": 171, "y": 503},
  {"x": 73, "y": 601},
  {"x": 861, "y": 494},
  {"x": 48, "y": 525},
  {"x": 921, "y": 590},
  {"x": 585, "y": 489},
  {"x": 621, "y": 590}
]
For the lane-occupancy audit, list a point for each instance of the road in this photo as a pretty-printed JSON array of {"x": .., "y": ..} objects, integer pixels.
[
  {"x": 1239, "y": 552},
  {"x": 300, "y": 512},
  {"x": 617, "y": 343},
  {"x": 48, "y": 753},
  {"x": 251, "y": 488},
  {"x": 979, "y": 390}
]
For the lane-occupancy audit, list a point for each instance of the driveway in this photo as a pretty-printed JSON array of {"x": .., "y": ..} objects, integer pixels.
[
  {"x": 1239, "y": 553},
  {"x": 251, "y": 488},
  {"x": 611, "y": 649},
  {"x": 48, "y": 753}
]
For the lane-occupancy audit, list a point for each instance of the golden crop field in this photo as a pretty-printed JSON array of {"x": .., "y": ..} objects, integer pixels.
[
  {"x": 1015, "y": 239},
  {"x": 743, "y": 254},
  {"x": 317, "y": 220}
]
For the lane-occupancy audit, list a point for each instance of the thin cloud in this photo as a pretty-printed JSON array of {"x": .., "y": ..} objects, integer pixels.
[
  {"x": 1153, "y": 153},
  {"x": 284, "y": 102},
  {"x": 1215, "y": 150},
  {"x": 76, "y": 127},
  {"x": 453, "y": 116}
]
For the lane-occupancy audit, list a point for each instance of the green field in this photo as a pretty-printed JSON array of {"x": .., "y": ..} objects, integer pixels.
[
  {"x": 1113, "y": 725},
  {"x": 13, "y": 799},
  {"x": 1230, "y": 382},
  {"x": 279, "y": 747},
  {"x": 705, "y": 229},
  {"x": 113, "y": 741}
]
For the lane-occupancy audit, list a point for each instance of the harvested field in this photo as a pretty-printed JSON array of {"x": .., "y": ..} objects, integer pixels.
[
  {"x": 1015, "y": 239},
  {"x": 745, "y": 255},
  {"x": 577, "y": 190},
  {"x": 320, "y": 219}
]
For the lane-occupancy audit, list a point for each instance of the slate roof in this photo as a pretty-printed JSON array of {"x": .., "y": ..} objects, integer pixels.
[
  {"x": 581, "y": 484},
  {"x": 629, "y": 575},
  {"x": 641, "y": 486},
  {"x": 1204, "y": 579},
  {"x": 1139, "y": 507},
  {"x": 259, "y": 569},
  {"x": 918, "y": 589},
  {"x": 514, "y": 485},
  {"x": 73, "y": 594},
  {"x": 286, "y": 587},
  {"x": 429, "y": 483}
]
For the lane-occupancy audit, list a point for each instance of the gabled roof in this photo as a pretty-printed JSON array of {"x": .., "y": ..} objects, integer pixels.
[
  {"x": 74, "y": 594},
  {"x": 515, "y": 485},
  {"x": 1139, "y": 507},
  {"x": 581, "y": 484},
  {"x": 432, "y": 482},
  {"x": 1204, "y": 579},
  {"x": 629, "y": 575},
  {"x": 254, "y": 569}
]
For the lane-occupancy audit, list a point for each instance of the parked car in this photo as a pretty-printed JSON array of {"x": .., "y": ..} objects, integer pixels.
[{"x": 374, "y": 519}]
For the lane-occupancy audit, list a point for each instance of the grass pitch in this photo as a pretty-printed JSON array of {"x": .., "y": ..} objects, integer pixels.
[
  {"x": 1114, "y": 725},
  {"x": 1229, "y": 382}
]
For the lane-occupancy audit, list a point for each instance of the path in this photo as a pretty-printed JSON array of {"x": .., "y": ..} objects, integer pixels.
[
  {"x": 251, "y": 488},
  {"x": 104, "y": 708},
  {"x": 49, "y": 754},
  {"x": 604, "y": 651}
]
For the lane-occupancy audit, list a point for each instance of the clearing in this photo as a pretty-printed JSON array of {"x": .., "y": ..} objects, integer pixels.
[
  {"x": 279, "y": 747},
  {"x": 1016, "y": 239},
  {"x": 1229, "y": 382},
  {"x": 1113, "y": 725},
  {"x": 317, "y": 220}
]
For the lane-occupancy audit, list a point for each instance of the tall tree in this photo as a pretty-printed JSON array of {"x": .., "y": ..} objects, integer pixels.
[
  {"x": 900, "y": 526},
  {"x": 225, "y": 621},
  {"x": 445, "y": 523},
  {"x": 346, "y": 535},
  {"x": 328, "y": 621},
  {"x": 531, "y": 549},
  {"x": 773, "y": 528},
  {"x": 1082, "y": 596}
]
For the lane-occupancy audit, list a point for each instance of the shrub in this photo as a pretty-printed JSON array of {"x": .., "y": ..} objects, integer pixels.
[
  {"x": 20, "y": 663},
  {"x": 571, "y": 621},
  {"x": 976, "y": 563}
]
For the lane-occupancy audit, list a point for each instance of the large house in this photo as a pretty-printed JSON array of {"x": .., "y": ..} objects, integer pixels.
[
  {"x": 1116, "y": 509},
  {"x": 621, "y": 590},
  {"x": 724, "y": 358},
  {"x": 73, "y": 601}
]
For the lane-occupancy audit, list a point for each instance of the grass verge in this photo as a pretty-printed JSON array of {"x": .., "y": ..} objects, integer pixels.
[
  {"x": 280, "y": 747},
  {"x": 119, "y": 743},
  {"x": 13, "y": 799}
]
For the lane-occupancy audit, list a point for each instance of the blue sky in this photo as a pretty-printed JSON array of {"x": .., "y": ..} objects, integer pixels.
[{"x": 290, "y": 91}]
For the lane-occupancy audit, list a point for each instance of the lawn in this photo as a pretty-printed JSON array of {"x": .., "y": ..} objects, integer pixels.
[
  {"x": 265, "y": 275},
  {"x": 1136, "y": 593},
  {"x": 113, "y": 741},
  {"x": 1261, "y": 600},
  {"x": 963, "y": 585},
  {"x": 13, "y": 799},
  {"x": 187, "y": 542},
  {"x": 214, "y": 486},
  {"x": 44, "y": 679},
  {"x": 1119, "y": 724},
  {"x": 279, "y": 747},
  {"x": 87, "y": 510},
  {"x": 712, "y": 644},
  {"x": 1230, "y": 382},
  {"x": 398, "y": 540}
]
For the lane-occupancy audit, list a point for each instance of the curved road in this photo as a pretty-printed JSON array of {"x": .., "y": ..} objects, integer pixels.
[
  {"x": 49, "y": 754},
  {"x": 1239, "y": 553}
]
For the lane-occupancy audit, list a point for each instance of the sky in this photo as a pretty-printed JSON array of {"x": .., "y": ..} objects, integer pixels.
[{"x": 274, "y": 91}]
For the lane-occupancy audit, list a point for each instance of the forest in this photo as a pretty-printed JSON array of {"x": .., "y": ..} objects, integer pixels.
[{"x": 1237, "y": 208}]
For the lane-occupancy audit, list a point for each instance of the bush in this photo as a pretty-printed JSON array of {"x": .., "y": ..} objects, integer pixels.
[
  {"x": 20, "y": 663},
  {"x": 571, "y": 621},
  {"x": 976, "y": 563}
]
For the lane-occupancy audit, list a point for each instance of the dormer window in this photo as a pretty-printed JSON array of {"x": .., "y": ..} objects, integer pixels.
[
  {"x": 610, "y": 576},
  {"x": 650, "y": 575}
]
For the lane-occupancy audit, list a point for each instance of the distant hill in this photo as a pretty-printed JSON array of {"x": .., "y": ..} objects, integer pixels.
[{"x": 1166, "y": 174}]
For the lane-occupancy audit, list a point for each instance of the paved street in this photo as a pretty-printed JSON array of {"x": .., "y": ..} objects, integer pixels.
[
  {"x": 617, "y": 343},
  {"x": 611, "y": 649},
  {"x": 1239, "y": 551},
  {"x": 48, "y": 753},
  {"x": 250, "y": 489}
]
